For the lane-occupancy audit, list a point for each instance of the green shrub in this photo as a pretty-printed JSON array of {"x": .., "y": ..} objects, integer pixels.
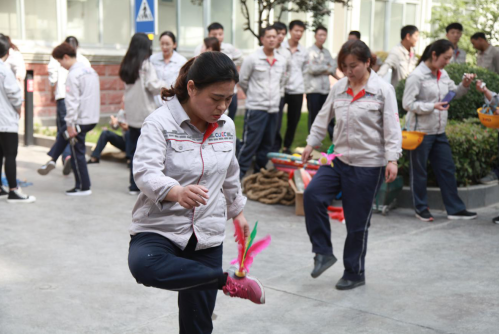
[
  {"x": 474, "y": 149},
  {"x": 466, "y": 106}
]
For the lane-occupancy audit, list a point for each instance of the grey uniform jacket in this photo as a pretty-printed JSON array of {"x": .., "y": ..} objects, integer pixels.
[
  {"x": 458, "y": 57},
  {"x": 11, "y": 99},
  {"x": 139, "y": 96},
  {"x": 489, "y": 59},
  {"x": 82, "y": 95},
  {"x": 401, "y": 61},
  {"x": 299, "y": 61},
  {"x": 367, "y": 130},
  {"x": 170, "y": 152},
  {"x": 286, "y": 54},
  {"x": 422, "y": 91},
  {"x": 320, "y": 66},
  {"x": 262, "y": 82}
]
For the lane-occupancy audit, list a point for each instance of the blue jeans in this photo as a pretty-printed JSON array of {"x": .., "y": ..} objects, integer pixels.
[
  {"x": 359, "y": 186},
  {"x": 258, "y": 138},
  {"x": 120, "y": 142},
  {"x": 437, "y": 149},
  {"x": 315, "y": 101}
]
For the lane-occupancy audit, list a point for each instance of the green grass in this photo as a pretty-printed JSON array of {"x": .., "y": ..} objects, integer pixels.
[
  {"x": 300, "y": 136},
  {"x": 92, "y": 136}
]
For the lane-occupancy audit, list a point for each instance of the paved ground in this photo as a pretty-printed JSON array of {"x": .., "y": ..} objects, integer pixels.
[{"x": 63, "y": 269}]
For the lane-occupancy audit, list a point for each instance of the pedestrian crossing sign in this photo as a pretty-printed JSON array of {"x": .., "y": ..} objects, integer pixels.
[{"x": 146, "y": 16}]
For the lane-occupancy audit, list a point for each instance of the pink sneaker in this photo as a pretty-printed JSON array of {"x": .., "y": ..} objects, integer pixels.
[{"x": 245, "y": 288}]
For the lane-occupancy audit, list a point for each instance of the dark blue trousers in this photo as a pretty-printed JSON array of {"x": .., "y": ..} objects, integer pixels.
[
  {"x": 60, "y": 123},
  {"x": 359, "y": 186},
  {"x": 233, "y": 107},
  {"x": 106, "y": 136},
  {"x": 496, "y": 169},
  {"x": 258, "y": 138},
  {"x": 315, "y": 101},
  {"x": 437, "y": 149},
  {"x": 78, "y": 161},
  {"x": 155, "y": 261},
  {"x": 133, "y": 139}
]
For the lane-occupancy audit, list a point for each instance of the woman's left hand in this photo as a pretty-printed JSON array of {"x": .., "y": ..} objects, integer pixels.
[
  {"x": 243, "y": 223},
  {"x": 391, "y": 172},
  {"x": 467, "y": 79}
]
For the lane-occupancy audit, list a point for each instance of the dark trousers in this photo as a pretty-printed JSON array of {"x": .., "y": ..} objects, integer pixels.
[
  {"x": 8, "y": 150},
  {"x": 496, "y": 169},
  {"x": 233, "y": 107},
  {"x": 359, "y": 186},
  {"x": 294, "y": 103},
  {"x": 258, "y": 138},
  {"x": 134, "y": 138},
  {"x": 315, "y": 101},
  {"x": 78, "y": 162},
  {"x": 437, "y": 149},
  {"x": 60, "y": 123},
  {"x": 155, "y": 261},
  {"x": 115, "y": 139}
]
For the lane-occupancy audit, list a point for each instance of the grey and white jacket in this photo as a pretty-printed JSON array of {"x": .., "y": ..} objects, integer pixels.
[
  {"x": 422, "y": 91},
  {"x": 82, "y": 95},
  {"x": 299, "y": 61},
  {"x": 262, "y": 82},
  {"x": 367, "y": 130},
  {"x": 171, "y": 152},
  {"x": 11, "y": 100},
  {"x": 320, "y": 65},
  {"x": 58, "y": 74}
]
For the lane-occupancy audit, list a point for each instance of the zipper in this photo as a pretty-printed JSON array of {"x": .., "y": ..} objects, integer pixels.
[
  {"x": 202, "y": 173},
  {"x": 440, "y": 111}
]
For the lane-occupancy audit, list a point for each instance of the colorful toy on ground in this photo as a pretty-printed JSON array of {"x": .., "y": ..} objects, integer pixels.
[
  {"x": 247, "y": 249},
  {"x": 336, "y": 214},
  {"x": 301, "y": 179},
  {"x": 288, "y": 163}
]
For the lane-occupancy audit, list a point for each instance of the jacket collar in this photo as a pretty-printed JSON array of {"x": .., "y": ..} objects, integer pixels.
[
  {"x": 371, "y": 86},
  {"x": 286, "y": 45},
  {"x": 426, "y": 70},
  {"x": 179, "y": 114}
]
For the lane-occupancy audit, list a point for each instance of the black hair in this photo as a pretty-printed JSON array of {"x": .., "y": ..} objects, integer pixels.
[
  {"x": 439, "y": 47},
  {"x": 71, "y": 40},
  {"x": 354, "y": 33},
  {"x": 139, "y": 50},
  {"x": 4, "y": 45},
  {"x": 478, "y": 35},
  {"x": 320, "y": 28},
  {"x": 12, "y": 45},
  {"x": 267, "y": 28},
  {"x": 297, "y": 23},
  {"x": 411, "y": 30},
  {"x": 358, "y": 49},
  {"x": 215, "y": 26},
  {"x": 455, "y": 25},
  {"x": 280, "y": 26},
  {"x": 204, "y": 70}
]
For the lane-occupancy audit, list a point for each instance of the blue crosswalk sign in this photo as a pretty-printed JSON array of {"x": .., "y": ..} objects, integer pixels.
[{"x": 145, "y": 16}]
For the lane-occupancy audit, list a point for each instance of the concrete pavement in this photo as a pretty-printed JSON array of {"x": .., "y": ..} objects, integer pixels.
[{"x": 63, "y": 269}]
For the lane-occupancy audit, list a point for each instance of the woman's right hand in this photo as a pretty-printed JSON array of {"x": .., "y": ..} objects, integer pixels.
[
  {"x": 442, "y": 106},
  {"x": 479, "y": 86},
  {"x": 191, "y": 196},
  {"x": 307, "y": 152}
]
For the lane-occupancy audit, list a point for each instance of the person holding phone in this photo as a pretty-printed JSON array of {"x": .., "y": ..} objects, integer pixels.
[{"x": 427, "y": 112}]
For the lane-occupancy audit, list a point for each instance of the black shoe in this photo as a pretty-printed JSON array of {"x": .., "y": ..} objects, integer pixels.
[
  {"x": 462, "y": 215},
  {"x": 495, "y": 220},
  {"x": 67, "y": 166},
  {"x": 90, "y": 161},
  {"x": 286, "y": 151},
  {"x": 344, "y": 284},
  {"x": 322, "y": 263},
  {"x": 78, "y": 192},
  {"x": 17, "y": 196},
  {"x": 424, "y": 215},
  {"x": 4, "y": 191}
]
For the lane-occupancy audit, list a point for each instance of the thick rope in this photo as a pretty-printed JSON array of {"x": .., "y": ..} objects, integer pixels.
[{"x": 269, "y": 187}]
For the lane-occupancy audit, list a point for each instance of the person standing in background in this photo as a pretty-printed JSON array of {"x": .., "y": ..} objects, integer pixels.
[
  {"x": 354, "y": 35},
  {"x": 320, "y": 66},
  {"x": 167, "y": 62},
  {"x": 454, "y": 31},
  {"x": 211, "y": 44},
  {"x": 487, "y": 55},
  {"x": 402, "y": 58},
  {"x": 217, "y": 30},
  {"x": 11, "y": 99},
  {"x": 295, "y": 87},
  {"x": 16, "y": 63},
  {"x": 141, "y": 85},
  {"x": 57, "y": 80}
]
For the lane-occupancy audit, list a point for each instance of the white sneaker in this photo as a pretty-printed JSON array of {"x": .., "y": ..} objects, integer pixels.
[
  {"x": 45, "y": 169},
  {"x": 17, "y": 196},
  {"x": 134, "y": 192},
  {"x": 78, "y": 192}
]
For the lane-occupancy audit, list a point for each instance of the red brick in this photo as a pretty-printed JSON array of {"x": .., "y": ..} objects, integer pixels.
[
  {"x": 111, "y": 98},
  {"x": 38, "y": 69},
  {"x": 100, "y": 69},
  {"x": 110, "y": 109},
  {"x": 42, "y": 99},
  {"x": 45, "y": 111},
  {"x": 112, "y": 70},
  {"x": 109, "y": 83},
  {"x": 121, "y": 85},
  {"x": 41, "y": 83}
]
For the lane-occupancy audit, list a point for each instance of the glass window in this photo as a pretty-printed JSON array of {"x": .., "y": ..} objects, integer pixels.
[
  {"x": 167, "y": 19},
  {"x": 245, "y": 39},
  {"x": 8, "y": 19},
  {"x": 191, "y": 32},
  {"x": 396, "y": 23},
  {"x": 116, "y": 22},
  {"x": 365, "y": 21},
  {"x": 83, "y": 20},
  {"x": 221, "y": 12},
  {"x": 410, "y": 14},
  {"x": 379, "y": 26},
  {"x": 41, "y": 20}
]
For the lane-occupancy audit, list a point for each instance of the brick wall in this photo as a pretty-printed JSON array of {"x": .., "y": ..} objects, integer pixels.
[{"x": 112, "y": 89}]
